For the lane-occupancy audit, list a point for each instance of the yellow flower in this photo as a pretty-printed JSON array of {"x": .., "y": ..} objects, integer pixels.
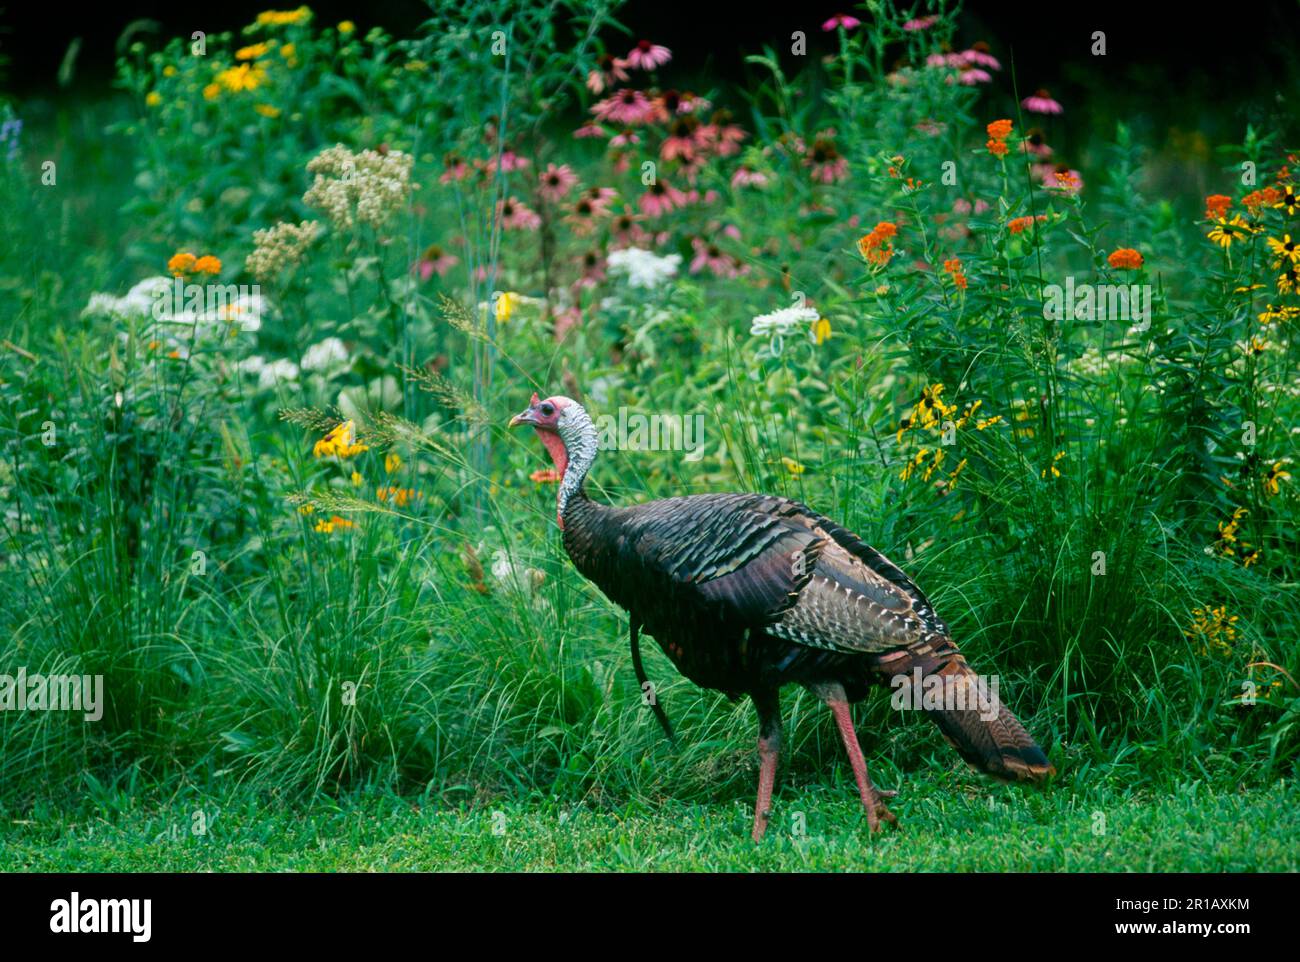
[
  {"x": 506, "y": 303},
  {"x": 243, "y": 77},
  {"x": 1226, "y": 231},
  {"x": 793, "y": 466},
  {"x": 266, "y": 110},
  {"x": 398, "y": 496},
  {"x": 821, "y": 330},
  {"x": 340, "y": 441},
  {"x": 252, "y": 52},
  {"x": 335, "y": 523},
  {"x": 1214, "y": 627},
  {"x": 283, "y": 18},
  {"x": 1285, "y": 248},
  {"x": 290, "y": 54},
  {"x": 357, "y": 479},
  {"x": 916, "y": 461},
  {"x": 1056, "y": 473},
  {"x": 306, "y": 508},
  {"x": 347, "y": 27},
  {"x": 392, "y": 461},
  {"x": 1284, "y": 312},
  {"x": 207, "y": 264},
  {"x": 169, "y": 71},
  {"x": 1277, "y": 473},
  {"x": 181, "y": 263},
  {"x": 153, "y": 98},
  {"x": 211, "y": 91}
]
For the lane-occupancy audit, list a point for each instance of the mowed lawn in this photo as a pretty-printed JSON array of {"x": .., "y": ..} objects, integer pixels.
[{"x": 814, "y": 828}]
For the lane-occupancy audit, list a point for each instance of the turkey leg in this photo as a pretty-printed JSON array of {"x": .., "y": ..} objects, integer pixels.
[
  {"x": 769, "y": 753},
  {"x": 872, "y": 798}
]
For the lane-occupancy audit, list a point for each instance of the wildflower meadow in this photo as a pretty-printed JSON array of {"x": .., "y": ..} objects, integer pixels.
[{"x": 281, "y": 589}]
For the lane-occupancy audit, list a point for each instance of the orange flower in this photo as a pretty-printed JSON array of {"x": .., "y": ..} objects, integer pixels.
[
  {"x": 1261, "y": 198},
  {"x": 1019, "y": 225},
  {"x": 952, "y": 266},
  {"x": 1125, "y": 258},
  {"x": 998, "y": 148},
  {"x": 181, "y": 264},
  {"x": 207, "y": 264},
  {"x": 1216, "y": 206},
  {"x": 1067, "y": 179},
  {"x": 545, "y": 476},
  {"x": 1000, "y": 129},
  {"x": 874, "y": 247}
]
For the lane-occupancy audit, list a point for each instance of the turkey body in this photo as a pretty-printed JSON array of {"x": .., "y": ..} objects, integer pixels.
[
  {"x": 746, "y": 593},
  {"x": 718, "y": 580}
]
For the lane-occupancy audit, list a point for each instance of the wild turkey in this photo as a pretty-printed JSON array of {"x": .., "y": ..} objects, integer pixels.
[{"x": 746, "y": 593}]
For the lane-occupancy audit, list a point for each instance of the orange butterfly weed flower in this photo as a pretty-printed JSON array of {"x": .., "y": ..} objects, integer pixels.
[
  {"x": 998, "y": 148},
  {"x": 182, "y": 263},
  {"x": 1000, "y": 129},
  {"x": 1216, "y": 206},
  {"x": 1125, "y": 258},
  {"x": 1018, "y": 225}
]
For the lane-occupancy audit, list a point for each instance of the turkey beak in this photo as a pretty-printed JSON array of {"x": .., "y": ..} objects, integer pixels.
[{"x": 524, "y": 417}]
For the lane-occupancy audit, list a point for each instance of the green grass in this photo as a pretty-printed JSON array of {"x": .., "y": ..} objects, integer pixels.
[{"x": 984, "y": 828}]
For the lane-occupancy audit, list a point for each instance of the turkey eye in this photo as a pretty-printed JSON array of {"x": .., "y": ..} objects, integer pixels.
[{"x": 548, "y": 409}]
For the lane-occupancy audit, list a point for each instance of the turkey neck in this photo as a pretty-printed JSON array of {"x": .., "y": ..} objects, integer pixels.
[{"x": 585, "y": 523}]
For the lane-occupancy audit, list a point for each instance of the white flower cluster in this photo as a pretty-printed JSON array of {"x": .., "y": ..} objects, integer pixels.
[
  {"x": 643, "y": 268},
  {"x": 1092, "y": 363},
  {"x": 137, "y": 302},
  {"x": 325, "y": 356},
  {"x": 213, "y": 308},
  {"x": 369, "y": 187},
  {"x": 783, "y": 322},
  {"x": 280, "y": 247},
  {"x": 269, "y": 373}
]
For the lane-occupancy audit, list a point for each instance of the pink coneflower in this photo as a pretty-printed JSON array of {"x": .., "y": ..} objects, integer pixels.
[
  {"x": 841, "y": 20},
  {"x": 434, "y": 260},
  {"x": 609, "y": 71},
  {"x": 691, "y": 167},
  {"x": 646, "y": 56},
  {"x": 600, "y": 198},
  {"x": 683, "y": 139},
  {"x": 920, "y": 23},
  {"x": 931, "y": 128},
  {"x": 721, "y": 136},
  {"x": 589, "y": 208},
  {"x": 708, "y": 256},
  {"x": 625, "y": 139},
  {"x": 1041, "y": 102},
  {"x": 746, "y": 176},
  {"x": 660, "y": 198},
  {"x": 510, "y": 161},
  {"x": 826, "y": 163},
  {"x": 593, "y": 269},
  {"x": 1035, "y": 144},
  {"x": 454, "y": 169},
  {"x": 970, "y": 76},
  {"x": 628, "y": 108},
  {"x": 979, "y": 55},
  {"x": 516, "y": 215},
  {"x": 624, "y": 231},
  {"x": 565, "y": 321},
  {"x": 556, "y": 182},
  {"x": 690, "y": 103},
  {"x": 590, "y": 130}
]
